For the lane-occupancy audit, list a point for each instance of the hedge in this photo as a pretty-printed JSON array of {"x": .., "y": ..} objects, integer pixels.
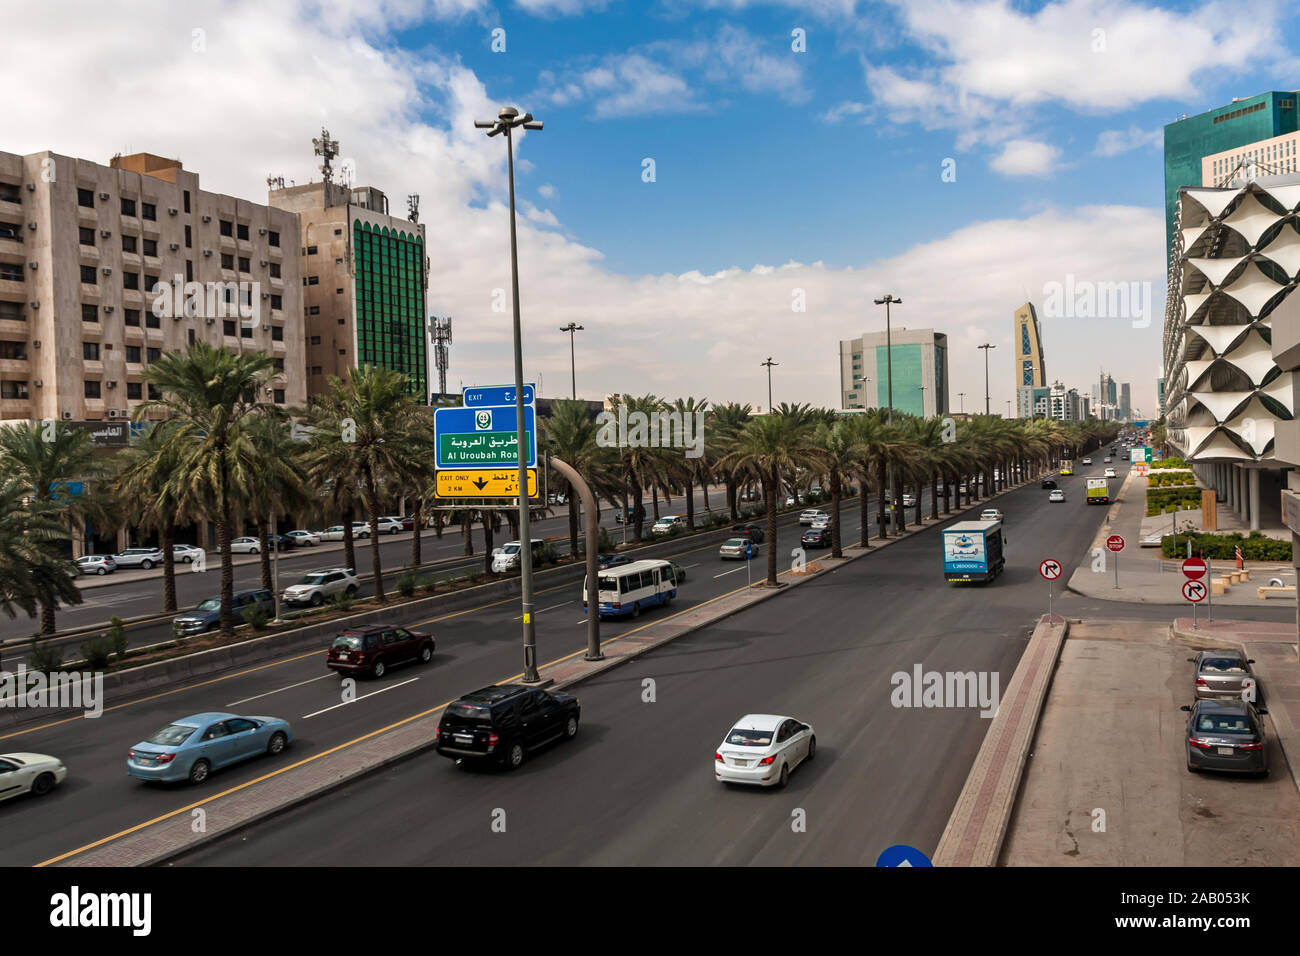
[
  {"x": 1169, "y": 463},
  {"x": 1160, "y": 500},
  {"x": 1223, "y": 547},
  {"x": 1171, "y": 477}
]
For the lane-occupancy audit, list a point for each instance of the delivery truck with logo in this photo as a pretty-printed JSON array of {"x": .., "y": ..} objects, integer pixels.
[
  {"x": 1098, "y": 491},
  {"x": 973, "y": 551}
]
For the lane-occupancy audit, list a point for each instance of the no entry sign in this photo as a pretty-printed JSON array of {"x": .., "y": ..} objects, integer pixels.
[
  {"x": 1115, "y": 543},
  {"x": 1194, "y": 591},
  {"x": 1194, "y": 568},
  {"x": 1050, "y": 569}
]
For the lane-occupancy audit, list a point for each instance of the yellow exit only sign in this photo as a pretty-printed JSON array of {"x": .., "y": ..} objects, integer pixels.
[{"x": 484, "y": 483}]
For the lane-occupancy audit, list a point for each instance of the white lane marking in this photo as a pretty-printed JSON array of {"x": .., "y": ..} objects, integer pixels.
[
  {"x": 361, "y": 698},
  {"x": 725, "y": 573},
  {"x": 551, "y": 608},
  {"x": 687, "y": 567},
  {"x": 278, "y": 689}
]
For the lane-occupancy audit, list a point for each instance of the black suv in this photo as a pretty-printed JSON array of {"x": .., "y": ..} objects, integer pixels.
[
  {"x": 1049, "y": 483},
  {"x": 751, "y": 531},
  {"x": 503, "y": 722}
]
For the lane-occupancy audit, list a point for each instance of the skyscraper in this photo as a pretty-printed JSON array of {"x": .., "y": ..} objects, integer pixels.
[
  {"x": 1028, "y": 359},
  {"x": 1125, "y": 403},
  {"x": 920, "y": 367}
]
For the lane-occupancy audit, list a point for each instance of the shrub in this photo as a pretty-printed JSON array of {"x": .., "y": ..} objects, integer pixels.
[
  {"x": 97, "y": 652},
  {"x": 45, "y": 657},
  {"x": 1160, "y": 500},
  {"x": 405, "y": 584},
  {"x": 676, "y": 531},
  {"x": 1222, "y": 547},
  {"x": 1169, "y": 463},
  {"x": 430, "y": 584},
  {"x": 255, "y": 617},
  {"x": 341, "y": 601},
  {"x": 117, "y": 636}
]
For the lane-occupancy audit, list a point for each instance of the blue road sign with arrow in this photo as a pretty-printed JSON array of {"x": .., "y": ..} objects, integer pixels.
[{"x": 483, "y": 436}]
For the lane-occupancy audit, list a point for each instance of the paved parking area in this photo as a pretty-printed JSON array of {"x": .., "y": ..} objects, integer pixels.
[{"x": 1110, "y": 740}]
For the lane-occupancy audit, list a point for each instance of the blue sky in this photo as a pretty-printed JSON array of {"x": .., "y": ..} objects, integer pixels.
[{"x": 775, "y": 171}]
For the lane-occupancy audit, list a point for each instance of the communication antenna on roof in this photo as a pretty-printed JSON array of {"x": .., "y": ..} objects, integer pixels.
[
  {"x": 413, "y": 207},
  {"x": 328, "y": 149},
  {"x": 440, "y": 330},
  {"x": 274, "y": 182}
]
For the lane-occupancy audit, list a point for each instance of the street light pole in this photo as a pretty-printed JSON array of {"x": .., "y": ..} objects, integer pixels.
[
  {"x": 986, "y": 348},
  {"x": 769, "y": 363},
  {"x": 962, "y": 396},
  {"x": 507, "y": 120},
  {"x": 886, "y": 301},
  {"x": 573, "y": 369}
]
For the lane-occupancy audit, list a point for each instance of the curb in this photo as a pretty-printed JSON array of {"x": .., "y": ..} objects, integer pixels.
[{"x": 979, "y": 820}]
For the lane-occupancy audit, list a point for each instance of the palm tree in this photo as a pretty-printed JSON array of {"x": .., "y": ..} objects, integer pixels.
[
  {"x": 642, "y": 465},
  {"x": 690, "y": 470},
  {"x": 47, "y": 458},
  {"x": 570, "y": 435},
  {"x": 770, "y": 445},
  {"x": 280, "y": 483},
  {"x": 210, "y": 403},
  {"x": 728, "y": 421},
  {"x": 34, "y": 571},
  {"x": 838, "y": 448}
]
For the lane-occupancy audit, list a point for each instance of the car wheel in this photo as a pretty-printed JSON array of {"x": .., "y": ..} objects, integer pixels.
[
  {"x": 43, "y": 784},
  {"x": 199, "y": 772},
  {"x": 101, "y": 571},
  {"x": 146, "y": 564},
  {"x": 378, "y": 669},
  {"x": 426, "y": 654},
  {"x": 785, "y": 776},
  {"x": 317, "y": 600},
  {"x": 395, "y": 531},
  {"x": 636, "y": 609},
  {"x": 812, "y": 748},
  {"x": 278, "y": 742},
  {"x": 351, "y": 592},
  {"x": 515, "y": 756},
  {"x": 571, "y": 727}
]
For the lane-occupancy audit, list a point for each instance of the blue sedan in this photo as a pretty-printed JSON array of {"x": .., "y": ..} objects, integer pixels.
[{"x": 192, "y": 747}]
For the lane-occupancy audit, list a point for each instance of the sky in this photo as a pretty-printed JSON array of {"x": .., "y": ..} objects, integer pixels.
[{"x": 717, "y": 182}]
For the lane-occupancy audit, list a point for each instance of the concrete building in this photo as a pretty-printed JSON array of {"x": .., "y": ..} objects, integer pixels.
[
  {"x": 1032, "y": 401},
  {"x": 1065, "y": 404},
  {"x": 1160, "y": 396},
  {"x": 920, "y": 368},
  {"x": 94, "y": 261},
  {"x": 1274, "y": 156},
  {"x": 365, "y": 284},
  {"x": 1027, "y": 336},
  {"x": 1125, "y": 402}
]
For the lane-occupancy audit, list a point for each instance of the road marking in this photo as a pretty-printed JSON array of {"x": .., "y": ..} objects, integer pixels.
[
  {"x": 551, "y": 608},
  {"x": 348, "y": 703},
  {"x": 725, "y": 573},
  {"x": 687, "y": 567},
  {"x": 278, "y": 689}
]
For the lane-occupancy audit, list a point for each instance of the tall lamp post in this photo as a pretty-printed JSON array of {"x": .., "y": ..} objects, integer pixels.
[
  {"x": 986, "y": 348},
  {"x": 962, "y": 396},
  {"x": 887, "y": 301},
  {"x": 508, "y": 119},
  {"x": 769, "y": 363},
  {"x": 573, "y": 368}
]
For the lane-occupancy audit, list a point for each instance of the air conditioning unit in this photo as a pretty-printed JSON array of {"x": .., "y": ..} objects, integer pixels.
[
  {"x": 31, "y": 226},
  {"x": 113, "y": 413},
  {"x": 36, "y": 343},
  {"x": 207, "y": 218},
  {"x": 112, "y": 384},
  {"x": 171, "y": 210},
  {"x": 207, "y": 252},
  {"x": 261, "y": 262},
  {"x": 31, "y": 187},
  {"x": 33, "y": 264},
  {"x": 104, "y": 233},
  {"x": 67, "y": 415},
  {"x": 261, "y": 232},
  {"x": 266, "y": 295},
  {"x": 38, "y": 383},
  {"x": 108, "y": 309},
  {"x": 101, "y": 196},
  {"x": 107, "y": 271},
  {"x": 34, "y": 305},
  {"x": 173, "y": 246}
]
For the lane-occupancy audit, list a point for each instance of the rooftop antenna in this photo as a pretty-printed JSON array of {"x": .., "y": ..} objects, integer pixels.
[
  {"x": 441, "y": 333},
  {"x": 413, "y": 207},
  {"x": 328, "y": 149},
  {"x": 274, "y": 182}
]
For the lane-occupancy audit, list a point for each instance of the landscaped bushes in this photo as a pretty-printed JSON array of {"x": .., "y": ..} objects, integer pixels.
[
  {"x": 1169, "y": 463},
  {"x": 1223, "y": 547},
  {"x": 1161, "y": 500},
  {"x": 1170, "y": 477}
]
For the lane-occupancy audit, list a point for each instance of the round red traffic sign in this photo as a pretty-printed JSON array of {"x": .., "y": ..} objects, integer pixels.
[
  {"x": 1194, "y": 591},
  {"x": 1050, "y": 569},
  {"x": 1194, "y": 568},
  {"x": 1115, "y": 543}
]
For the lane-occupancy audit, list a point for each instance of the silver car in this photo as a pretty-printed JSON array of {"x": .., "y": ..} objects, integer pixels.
[
  {"x": 1224, "y": 674},
  {"x": 96, "y": 564},
  {"x": 735, "y": 549},
  {"x": 316, "y": 586},
  {"x": 145, "y": 558}
]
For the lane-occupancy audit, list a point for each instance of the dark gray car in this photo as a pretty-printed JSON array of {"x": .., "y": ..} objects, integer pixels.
[
  {"x": 1223, "y": 674},
  {"x": 1226, "y": 735},
  {"x": 207, "y": 616}
]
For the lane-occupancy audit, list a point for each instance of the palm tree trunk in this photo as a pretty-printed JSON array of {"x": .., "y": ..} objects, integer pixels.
[
  {"x": 466, "y": 531},
  {"x": 226, "y": 616},
  {"x": 488, "y": 542},
  {"x": 864, "y": 506},
  {"x": 690, "y": 503},
  {"x": 881, "y": 478},
  {"x": 417, "y": 518},
  {"x": 264, "y": 551},
  {"x": 349, "y": 551},
  {"x": 934, "y": 496},
  {"x": 732, "y": 490},
  {"x": 48, "y": 621},
  {"x": 947, "y": 495},
  {"x": 168, "y": 535},
  {"x": 376, "y": 568},
  {"x": 771, "y": 529},
  {"x": 704, "y": 492},
  {"x": 836, "y": 551},
  {"x": 638, "y": 508}
]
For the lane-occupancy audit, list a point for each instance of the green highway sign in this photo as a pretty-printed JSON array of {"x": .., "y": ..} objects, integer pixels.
[{"x": 478, "y": 449}]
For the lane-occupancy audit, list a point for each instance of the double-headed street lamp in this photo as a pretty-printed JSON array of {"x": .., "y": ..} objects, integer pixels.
[
  {"x": 573, "y": 369},
  {"x": 769, "y": 363},
  {"x": 986, "y": 348},
  {"x": 508, "y": 119},
  {"x": 887, "y": 301}
]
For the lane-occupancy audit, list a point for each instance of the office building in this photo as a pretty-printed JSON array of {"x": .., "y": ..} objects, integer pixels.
[
  {"x": 1032, "y": 401},
  {"x": 1125, "y": 403},
  {"x": 920, "y": 369},
  {"x": 365, "y": 281},
  {"x": 1027, "y": 336},
  {"x": 1160, "y": 396},
  {"x": 1189, "y": 140},
  {"x": 105, "y": 267}
]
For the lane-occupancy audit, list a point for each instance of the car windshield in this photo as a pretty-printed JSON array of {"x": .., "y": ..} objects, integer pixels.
[
  {"x": 740, "y": 737},
  {"x": 313, "y": 579},
  {"x": 510, "y": 549},
  {"x": 173, "y": 735},
  {"x": 1224, "y": 665},
  {"x": 348, "y": 642},
  {"x": 735, "y": 543},
  {"x": 211, "y": 604},
  {"x": 461, "y": 714},
  {"x": 1223, "y": 724}
]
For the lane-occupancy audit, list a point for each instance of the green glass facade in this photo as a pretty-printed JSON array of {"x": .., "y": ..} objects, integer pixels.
[
  {"x": 1190, "y": 140},
  {"x": 390, "y": 303},
  {"x": 908, "y": 396}
]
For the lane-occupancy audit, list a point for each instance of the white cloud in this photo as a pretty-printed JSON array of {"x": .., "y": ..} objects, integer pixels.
[
  {"x": 626, "y": 85},
  {"x": 1113, "y": 142},
  {"x": 547, "y": 191},
  {"x": 842, "y": 110},
  {"x": 560, "y": 8},
  {"x": 1026, "y": 157}
]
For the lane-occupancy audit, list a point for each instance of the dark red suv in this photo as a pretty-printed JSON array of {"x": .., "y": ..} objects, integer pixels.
[{"x": 376, "y": 647}]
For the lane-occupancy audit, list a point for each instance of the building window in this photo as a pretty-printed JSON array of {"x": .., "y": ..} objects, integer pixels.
[
  {"x": 275, "y": 270},
  {"x": 227, "y": 261},
  {"x": 92, "y": 389},
  {"x": 313, "y": 280},
  {"x": 130, "y": 280},
  {"x": 340, "y": 321},
  {"x": 338, "y": 291},
  {"x": 276, "y": 301},
  {"x": 87, "y": 236},
  {"x": 13, "y": 350},
  {"x": 315, "y": 340},
  {"x": 241, "y": 231},
  {"x": 316, "y": 370},
  {"x": 148, "y": 210},
  {"x": 133, "y": 354},
  {"x": 155, "y": 393},
  {"x": 152, "y": 355},
  {"x": 278, "y": 364},
  {"x": 314, "y": 310},
  {"x": 187, "y": 200},
  {"x": 273, "y": 238},
  {"x": 133, "y": 391},
  {"x": 278, "y": 395},
  {"x": 151, "y": 320},
  {"x": 244, "y": 264},
  {"x": 128, "y": 244},
  {"x": 189, "y": 271},
  {"x": 13, "y": 389},
  {"x": 245, "y": 331},
  {"x": 131, "y": 317},
  {"x": 343, "y": 351},
  {"x": 228, "y": 327},
  {"x": 86, "y": 197},
  {"x": 128, "y": 207},
  {"x": 311, "y": 250},
  {"x": 151, "y": 284},
  {"x": 90, "y": 351},
  {"x": 87, "y": 275},
  {"x": 277, "y": 333},
  {"x": 188, "y": 237},
  {"x": 227, "y": 227},
  {"x": 151, "y": 247},
  {"x": 89, "y": 312}
]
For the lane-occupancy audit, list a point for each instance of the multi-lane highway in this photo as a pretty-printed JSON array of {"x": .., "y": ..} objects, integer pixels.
[{"x": 636, "y": 786}]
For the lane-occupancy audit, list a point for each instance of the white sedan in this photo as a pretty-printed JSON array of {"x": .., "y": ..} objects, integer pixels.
[
  {"x": 1056, "y": 496},
  {"x": 334, "y": 533},
  {"x": 36, "y": 774},
  {"x": 187, "y": 553},
  {"x": 1109, "y": 473},
  {"x": 302, "y": 539},
  {"x": 245, "y": 546},
  {"x": 990, "y": 514},
  {"x": 762, "y": 749}
]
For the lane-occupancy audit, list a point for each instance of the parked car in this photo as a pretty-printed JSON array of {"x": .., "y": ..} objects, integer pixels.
[
  {"x": 187, "y": 553},
  {"x": 762, "y": 749},
  {"x": 316, "y": 586},
  {"x": 1049, "y": 483},
  {"x": 374, "y": 648},
  {"x": 625, "y": 516},
  {"x": 751, "y": 531},
  {"x": 816, "y": 538},
  {"x": 390, "y": 524},
  {"x": 144, "y": 558},
  {"x": 207, "y": 615},
  {"x": 408, "y": 522},
  {"x": 990, "y": 514},
  {"x": 736, "y": 549},
  {"x": 245, "y": 546},
  {"x": 1226, "y": 735},
  {"x": 807, "y": 517},
  {"x": 96, "y": 564},
  {"x": 909, "y": 501},
  {"x": 1106, "y": 460},
  {"x": 1224, "y": 674},
  {"x": 504, "y": 722},
  {"x": 507, "y": 558},
  {"x": 36, "y": 774},
  {"x": 1056, "y": 496},
  {"x": 332, "y": 533},
  {"x": 192, "y": 747},
  {"x": 791, "y": 500},
  {"x": 666, "y": 524},
  {"x": 280, "y": 542},
  {"x": 304, "y": 539},
  {"x": 361, "y": 529}
]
